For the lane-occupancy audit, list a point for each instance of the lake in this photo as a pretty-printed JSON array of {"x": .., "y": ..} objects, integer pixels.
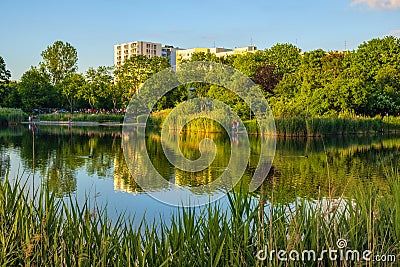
[{"x": 88, "y": 162}]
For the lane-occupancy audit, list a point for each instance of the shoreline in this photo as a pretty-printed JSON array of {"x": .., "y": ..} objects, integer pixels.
[{"x": 83, "y": 123}]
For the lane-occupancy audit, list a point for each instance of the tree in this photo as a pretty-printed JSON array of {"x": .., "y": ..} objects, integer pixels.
[
  {"x": 36, "y": 90},
  {"x": 267, "y": 77},
  {"x": 9, "y": 96},
  {"x": 60, "y": 60},
  {"x": 98, "y": 85},
  {"x": 376, "y": 53},
  {"x": 89, "y": 92},
  {"x": 286, "y": 57},
  {"x": 135, "y": 71},
  {"x": 71, "y": 86},
  {"x": 4, "y": 73},
  {"x": 115, "y": 94},
  {"x": 249, "y": 63}
]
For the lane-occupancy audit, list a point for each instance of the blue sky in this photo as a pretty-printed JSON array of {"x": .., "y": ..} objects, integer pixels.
[{"x": 93, "y": 27}]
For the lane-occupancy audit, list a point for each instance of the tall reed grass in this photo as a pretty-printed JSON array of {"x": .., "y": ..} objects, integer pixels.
[
  {"x": 11, "y": 116},
  {"x": 290, "y": 126},
  {"x": 45, "y": 231},
  {"x": 296, "y": 126}
]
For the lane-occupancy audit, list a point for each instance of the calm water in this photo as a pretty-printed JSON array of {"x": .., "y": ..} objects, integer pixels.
[{"x": 89, "y": 162}]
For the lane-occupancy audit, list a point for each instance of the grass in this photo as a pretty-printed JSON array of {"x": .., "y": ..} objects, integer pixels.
[
  {"x": 288, "y": 126},
  {"x": 83, "y": 117},
  {"x": 48, "y": 231},
  {"x": 10, "y": 116},
  {"x": 296, "y": 126}
]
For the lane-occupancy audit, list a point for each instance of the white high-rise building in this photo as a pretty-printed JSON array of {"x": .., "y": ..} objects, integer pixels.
[{"x": 126, "y": 50}]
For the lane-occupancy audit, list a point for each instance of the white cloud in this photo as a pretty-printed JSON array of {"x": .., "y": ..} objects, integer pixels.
[
  {"x": 378, "y": 4},
  {"x": 395, "y": 32}
]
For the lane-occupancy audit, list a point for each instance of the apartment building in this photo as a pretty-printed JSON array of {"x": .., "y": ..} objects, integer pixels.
[
  {"x": 175, "y": 55},
  {"x": 126, "y": 50},
  {"x": 186, "y": 54},
  {"x": 168, "y": 51}
]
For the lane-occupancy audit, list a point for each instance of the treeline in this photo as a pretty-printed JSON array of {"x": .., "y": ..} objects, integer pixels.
[
  {"x": 317, "y": 83},
  {"x": 365, "y": 81},
  {"x": 56, "y": 82}
]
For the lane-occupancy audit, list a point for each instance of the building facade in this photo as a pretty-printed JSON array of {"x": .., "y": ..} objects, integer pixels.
[
  {"x": 186, "y": 54},
  {"x": 168, "y": 51},
  {"x": 126, "y": 50},
  {"x": 175, "y": 55}
]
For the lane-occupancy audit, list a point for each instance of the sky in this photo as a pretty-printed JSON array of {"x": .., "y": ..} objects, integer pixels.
[{"x": 94, "y": 26}]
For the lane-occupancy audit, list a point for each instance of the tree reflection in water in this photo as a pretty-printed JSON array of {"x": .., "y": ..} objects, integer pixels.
[{"x": 60, "y": 153}]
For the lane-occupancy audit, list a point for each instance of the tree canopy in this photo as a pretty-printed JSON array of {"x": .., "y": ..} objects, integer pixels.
[
  {"x": 365, "y": 81},
  {"x": 59, "y": 60},
  {"x": 5, "y": 74}
]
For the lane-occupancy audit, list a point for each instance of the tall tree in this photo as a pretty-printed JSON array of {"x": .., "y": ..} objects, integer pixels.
[
  {"x": 71, "y": 86},
  {"x": 286, "y": 57},
  {"x": 4, "y": 73},
  {"x": 36, "y": 91},
  {"x": 59, "y": 60},
  {"x": 135, "y": 71},
  {"x": 98, "y": 85},
  {"x": 4, "y": 80}
]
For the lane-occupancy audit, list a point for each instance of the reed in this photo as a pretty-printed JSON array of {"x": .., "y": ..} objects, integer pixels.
[
  {"x": 296, "y": 126},
  {"x": 82, "y": 117},
  {"x": 10, "y": 116},
  {"x": 45, "y": 231}
]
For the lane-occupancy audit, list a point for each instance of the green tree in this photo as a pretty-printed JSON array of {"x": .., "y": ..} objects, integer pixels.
[
  {"x": 90, "y": 92},
  {"x": 59, "y": 60},
  {"x": 4, "y": 80},
  {"x": 286, "y": 57},
  {"x": 371, "y": 56},
  {"x": 36, "y": 91},
  {"x": 115, "y": 95},
  {"x": 4, "y": 73},
  {"x": 9, "y": 96},
  {"x": 71, "y": 86},
  {"x": 135, "y": 71},
  {"x": 249, "y": 63},
  {"x": 97, "y": 86}
]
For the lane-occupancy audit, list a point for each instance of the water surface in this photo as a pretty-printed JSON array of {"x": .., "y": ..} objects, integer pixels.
[{"x": 88, "y": 162}]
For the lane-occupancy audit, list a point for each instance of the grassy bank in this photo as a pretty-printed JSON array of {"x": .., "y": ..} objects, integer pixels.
[
  {"x": 328, "y": 126},
  {"x": 9, "y": 116},
  {"x": 53, "y": 232},
  {"x": 82, "y": 117},
  {"x": 290, "y": 126}
]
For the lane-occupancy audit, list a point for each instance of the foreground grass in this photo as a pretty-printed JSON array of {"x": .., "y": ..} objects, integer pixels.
[{"x": 53, "y": 232}]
